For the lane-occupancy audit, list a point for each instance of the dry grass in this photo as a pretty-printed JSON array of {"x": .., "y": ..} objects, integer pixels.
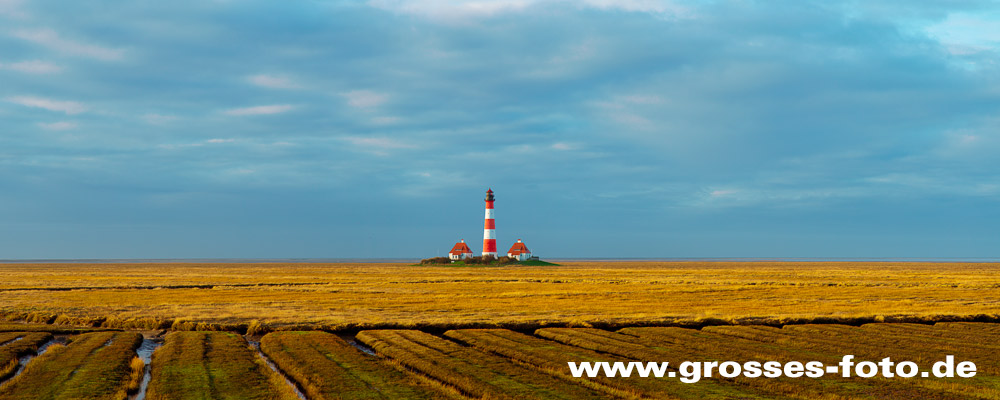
[
  {"x": 92, "y": 366},
  {"x": 53, "y": 329},
  {"x": 211, "y": 365},
  {"x": 328, "y": 368},
  {"x": 14, "y": 345},
  {"x": 137, "y": 368},
  {"x": 600, "y": 294},
  {"x": 474, "y": 373}
]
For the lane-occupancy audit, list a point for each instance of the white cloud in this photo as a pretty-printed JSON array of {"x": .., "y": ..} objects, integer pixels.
[
  {"x": 451, "y": 9},
  {"x": 646, "y": 6},
  {"x": 461, "y": 10},
  {"x": 49, "y": 38},
  {"x": 260, "y": 110},
  {"x": 32, "y": 67},
  {"x": 12, "y": 8},
  {"x": 57, "y": 126},
  {"x": 775, "y": 197},
  {"x": 273, "y": 81},
  {"x": 364, "y": 98},
  {"x": 68, "y": 107},
  {"x": 563, "y": 146},
  {"x": 195, "y": 144},
  {"x": 965, "y": 33},
  {"x": 382, "y": 143}
]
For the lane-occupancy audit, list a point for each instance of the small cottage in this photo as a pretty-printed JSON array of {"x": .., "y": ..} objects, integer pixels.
[
  {"x": 519, "y": 251},
  {"x": 461, "y": 251}
]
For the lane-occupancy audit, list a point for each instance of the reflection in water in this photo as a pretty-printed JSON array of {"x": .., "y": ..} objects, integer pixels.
[
  {"x": 256, "y": 345},
  {"x": 23, "y": 361},
  {"x": 145, "y": 352}
]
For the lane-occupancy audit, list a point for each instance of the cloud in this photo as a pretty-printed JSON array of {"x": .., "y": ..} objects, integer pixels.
[
  {"x": 32, "y": 67},
  {"x": 377, "y": 142},
  {"x": 971, "y": 38},
  {"x": 68, "y": 107},
  {"x": 568, "y": 61},
  {"x": 273, "y": 81},
  {"x": 174, "y": 146},
  {"x": 461, "y": 10},
  {"x": 214, "y": 141},
  {"x": 974, "y": 144},
  {"x": 668, "y": 114},
  {"x": 424, "y": 183},
  {"x": 451, "y": 9},
  {"x": 365, "y": 98},
  {"x": 260, "y": 110},
  {"x": 51, "y": 39},
  {"x": 633, "y": 111},
  {"x": 645, "y": 6},
  {"x": 968, "y": 31},
  {"x": 633, "y": 121},
  {"x": 777, "y": 197},
  {"x": 12, "y": 8},
  {"x": 723, "y": 192},
  {"x": 57, "y": 126}
]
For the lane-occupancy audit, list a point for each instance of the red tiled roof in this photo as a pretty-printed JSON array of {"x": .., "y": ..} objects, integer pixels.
[
  {"x": 460, "y": 248},
  {"x": 518, "y": 248}
]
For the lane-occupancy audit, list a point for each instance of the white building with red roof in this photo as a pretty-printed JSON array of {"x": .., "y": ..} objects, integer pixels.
[
  {"x": 519, "y": 251},
  {"x": 460, "y": 251}
]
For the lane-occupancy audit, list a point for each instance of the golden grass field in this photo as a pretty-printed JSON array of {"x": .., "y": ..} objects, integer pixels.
[{"x": 606, "y": 294}]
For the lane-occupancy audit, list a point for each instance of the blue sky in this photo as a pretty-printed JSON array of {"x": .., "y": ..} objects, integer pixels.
[{"x": 634, "y": 128}]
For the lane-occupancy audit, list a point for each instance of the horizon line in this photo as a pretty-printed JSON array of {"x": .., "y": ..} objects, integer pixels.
[{"x": 374, "y": 260}]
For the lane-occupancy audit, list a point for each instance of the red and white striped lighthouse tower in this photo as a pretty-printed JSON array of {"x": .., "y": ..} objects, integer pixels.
[{"x": 489, "y": 228}]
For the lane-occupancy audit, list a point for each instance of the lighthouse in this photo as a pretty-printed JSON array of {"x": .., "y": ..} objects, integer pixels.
[{"x": 489, "y": 228}]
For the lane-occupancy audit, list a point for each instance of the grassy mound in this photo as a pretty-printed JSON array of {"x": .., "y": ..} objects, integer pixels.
[
  {"x": 499, "y": 263},
  {"x": 534, "y": 263}
]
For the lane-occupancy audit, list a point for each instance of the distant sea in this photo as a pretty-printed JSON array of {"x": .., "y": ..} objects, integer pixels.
[{"x": 558, "y": 259}]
